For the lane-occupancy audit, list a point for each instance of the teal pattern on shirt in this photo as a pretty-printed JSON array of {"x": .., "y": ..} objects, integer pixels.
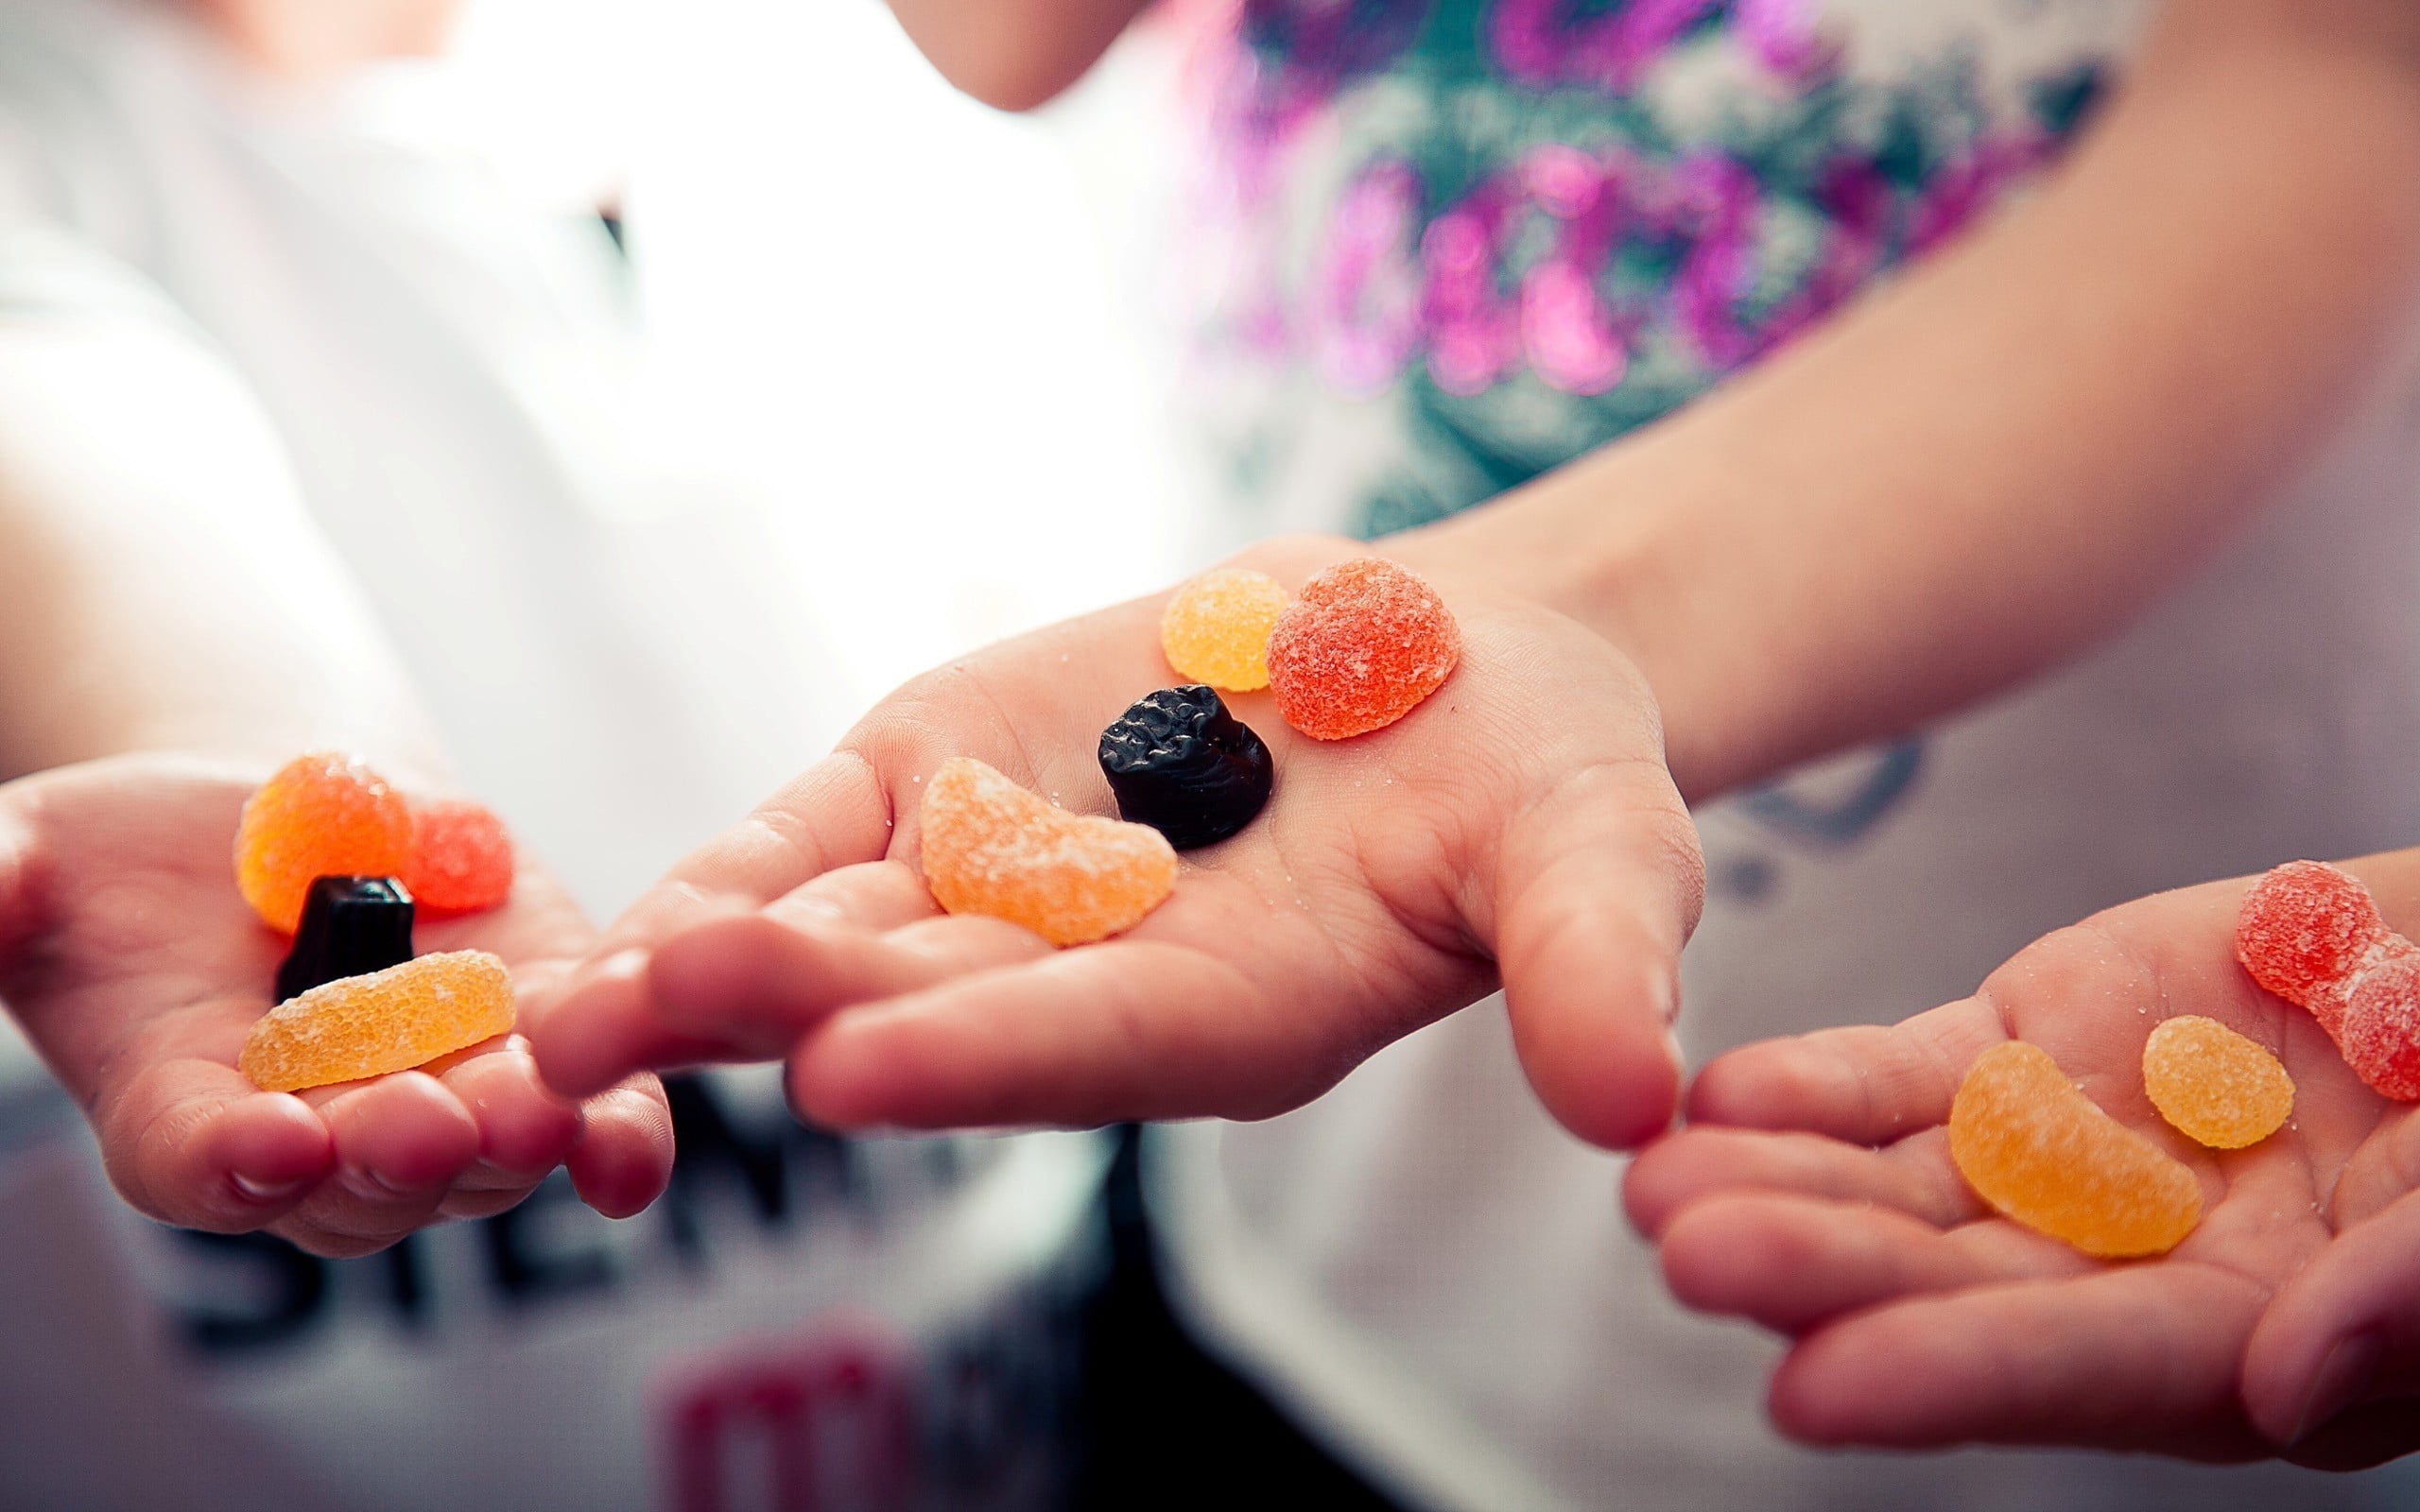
[{"x": 1531, "y": 226}]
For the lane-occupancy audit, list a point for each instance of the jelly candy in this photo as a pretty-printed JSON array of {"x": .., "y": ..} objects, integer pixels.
[
  {"x": 2312, "y": 935},
  {"x": 2217, "y": 1087},
  {"x": 350, "y": 926},
  {"x": 321, "y": 816},
  {"x": 1216, "y": 628},
  {"x": 1180, "y": 762},
  {"x": 1365, "y": 643},
  {"x": 2034, "y": 1146},
  {"x": 990, "y": 847},
  {"x": 394, "y": 1019},
  {"x": 2378, "y": 1028},
  {"x": 461, "y": 858},
  {"x": 2305, "y": 926}
]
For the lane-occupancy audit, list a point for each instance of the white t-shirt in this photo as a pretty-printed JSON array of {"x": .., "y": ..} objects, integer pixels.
[
  {"x": 603, "y": 647},
  {"x": 1429, "y": 1273}
]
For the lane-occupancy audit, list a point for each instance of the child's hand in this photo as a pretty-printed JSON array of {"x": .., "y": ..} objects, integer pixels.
[
  {"x": 136, "y": 970},
  {"x": 1814, "y": 1193},
  {"x": 1520, "y": 819}
]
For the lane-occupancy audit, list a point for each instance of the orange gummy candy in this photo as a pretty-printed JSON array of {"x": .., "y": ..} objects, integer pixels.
[
  {"x": 1365, "y": 643},
  {"x": 323, "y": 814},
  {"x": 394, "y": 1019},
  {"x": 2217, "y": 1087},
  {"x": 1216, "y": 630},
  {"x": 990, "y": 847},
  {"x": 2034, "y": 1146},
  {"x": 461, "y": 858}
]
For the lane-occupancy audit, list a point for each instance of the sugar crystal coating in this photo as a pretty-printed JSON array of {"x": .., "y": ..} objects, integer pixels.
[
  {"x": 990, "y": 847},
  {"x": 389, "y": 1021},
  {"x": 2035, "y": 1147},
  {"x": 1216, "y": 628},
  {"x": 2305, "y": 925},
  {"x": 2378, "y": 1029},
  {"x": 1180, "y": 762},
  {"x": 461, "y": 857},
  {"x": 323, "y": 814},
  {"x": 2218, "y": 1088},
  {"x": 1366, "y": 641}
]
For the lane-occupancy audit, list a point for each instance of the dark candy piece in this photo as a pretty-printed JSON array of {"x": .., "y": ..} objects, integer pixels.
[
  {"x": 350, "y": 926},
  {"x": 1180, "y": 762}
]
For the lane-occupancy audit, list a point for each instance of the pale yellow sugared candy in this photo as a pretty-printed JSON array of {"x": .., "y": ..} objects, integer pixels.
[
  {"x": 2034, "y": 1146},
  {"x": 1216, "y": 630},
  {"x": 2217, "y": 1087},
  {"x": 394, "y": 1019},
  {"x": 992, "y": 848}
]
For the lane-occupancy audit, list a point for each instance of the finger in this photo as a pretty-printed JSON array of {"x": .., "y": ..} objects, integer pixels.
[
  {"x": 605, "y": 1027},
  {"x": 1129, "y": 1030},
  {"x": 194, "y": 1144},
  {"x": 2134, "y": 1357},
  {"x": 874, "y": 895},
  {"x": 525, "y": 1129},
  {"x": 834, "y": 813},
  {"x": 624, "y": 1157},
  {"x": 754, "y": 986},
  {"x": 401, "y": 1140},
  {"x": 1860, "y": 1083},
  {"x": 1602, "y": 882},
  {"x": 2344, "y": 1327},
  {"x": 1794, "y": 1263},
  {"x": 1700, "y": 1163}
]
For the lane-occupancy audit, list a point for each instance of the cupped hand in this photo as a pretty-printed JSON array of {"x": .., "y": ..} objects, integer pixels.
[
  {"x": 1813, "y": 1193},
  {"x": 136, "y": 970},
  {"x": 1518, "y": 823}
]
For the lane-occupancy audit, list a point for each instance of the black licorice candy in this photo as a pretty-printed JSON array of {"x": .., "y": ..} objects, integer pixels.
[
  {"x": 351, "y": 927},
  {"x": 1180, "y": 762}
]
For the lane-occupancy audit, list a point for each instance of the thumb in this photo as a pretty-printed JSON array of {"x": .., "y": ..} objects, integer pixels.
[
  {"x": 1600, "y": 884},
  {"x": 2344, "y": 1330}
]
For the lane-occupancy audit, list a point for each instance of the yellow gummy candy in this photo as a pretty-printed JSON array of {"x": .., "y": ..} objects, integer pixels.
[
  {"x": 2217, "y": 1087},
  {"x": 1216, "y": 630},
  {"x": 394, "y": 1019},
  {"x": 2034, "y": 1146}
]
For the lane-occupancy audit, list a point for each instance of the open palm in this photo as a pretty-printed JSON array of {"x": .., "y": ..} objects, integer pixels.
[
  {"x": 1520, "y": 820},
  {"x": 137, "y": 969},
  {"x": 1814, "y": 1193}
]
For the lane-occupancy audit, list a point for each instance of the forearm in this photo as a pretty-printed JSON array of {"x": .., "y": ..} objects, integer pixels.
[
  {"x": 1984, "y": 467},
  {"x": 1014, "y": 54},
  {"x": 160, "y": 584}
]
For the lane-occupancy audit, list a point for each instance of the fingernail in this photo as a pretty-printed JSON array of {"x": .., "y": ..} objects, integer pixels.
[
  {"x": 1672, "y": 1050},
  {"x": 2342, "y": 1377},
  {"x": 265, "y": 1191},
  {"x": 367, "y": 1184}
]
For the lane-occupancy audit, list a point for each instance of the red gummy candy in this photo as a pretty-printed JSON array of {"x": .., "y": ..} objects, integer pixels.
[
  {"x": 2379, "y": 1027},
  {"x": 461, "y": 858},
  {"x": 1365, "y": 643},
  {"x": 2305, "y": 927}
]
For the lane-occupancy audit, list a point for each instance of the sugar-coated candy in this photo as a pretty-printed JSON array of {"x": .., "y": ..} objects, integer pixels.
[
  {"x": 324, "y": 815},
  {"x": 2034, "y": 1146},
  {"x": 2304, "y": 928},
  {"x": 2377, "y": 1030},
  {"x": 351, "y": 927},
  {"x": 990, "y": 847},
  {"x": 1366, "y": 641},
  {"x": 461, "y": 857},
  {"x": 1181, "y": 762},
  {"x": 2218, "y": 1088},
  {"x": 389, "y": 1021},
  {"x": 1216, "y": 628}
]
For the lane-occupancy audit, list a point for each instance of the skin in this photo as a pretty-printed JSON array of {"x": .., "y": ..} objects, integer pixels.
[
  {"x": 1813, "y": 1193},
  {"x": 173, "y": 628}
]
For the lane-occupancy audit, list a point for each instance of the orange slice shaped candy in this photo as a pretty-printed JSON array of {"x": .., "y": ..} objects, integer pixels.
[
  {"x": 394, "y": 1019},
  {"x": 992, "y": 848},
  {"x": 2034, "y": 1146}
]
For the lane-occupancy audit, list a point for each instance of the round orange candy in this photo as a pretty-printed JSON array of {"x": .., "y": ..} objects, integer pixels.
[
  {"x": 324, "y": 815},
  {"x": 461, "y": 857},
  {"x": 1362, "y": 646}
]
